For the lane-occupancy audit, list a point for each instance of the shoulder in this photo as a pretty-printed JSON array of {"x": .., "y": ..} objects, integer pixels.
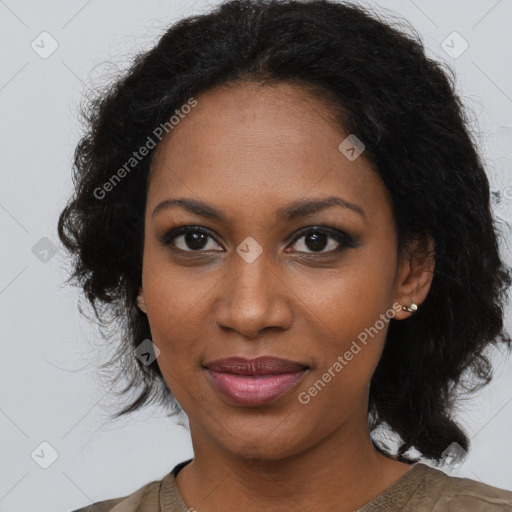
[
  {"x": 145, "y": 499},
  {"x": 451, "y": 493}
]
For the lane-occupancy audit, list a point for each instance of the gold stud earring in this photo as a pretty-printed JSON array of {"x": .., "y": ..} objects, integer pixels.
[{"x": 412, "y": 308}]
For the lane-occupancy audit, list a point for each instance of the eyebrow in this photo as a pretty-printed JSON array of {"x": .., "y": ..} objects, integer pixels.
[{"x": 299, "y": 208}]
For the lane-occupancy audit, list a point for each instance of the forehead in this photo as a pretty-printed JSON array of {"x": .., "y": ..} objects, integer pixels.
[{"x": 259, "y": 145}]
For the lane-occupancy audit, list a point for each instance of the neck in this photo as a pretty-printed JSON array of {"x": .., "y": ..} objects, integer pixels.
[{"x": 341, "y": 473}]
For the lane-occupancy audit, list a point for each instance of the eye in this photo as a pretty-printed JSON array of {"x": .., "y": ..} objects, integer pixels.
[
  {"x": 189, "y": 239},
  {"x": 318, "y": 238}
]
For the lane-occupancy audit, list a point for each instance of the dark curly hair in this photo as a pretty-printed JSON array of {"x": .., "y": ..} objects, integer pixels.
[{"x": 401, "y": 104}]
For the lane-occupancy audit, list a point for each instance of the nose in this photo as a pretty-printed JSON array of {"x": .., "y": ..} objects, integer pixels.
[{"x": 253, "y": 298}]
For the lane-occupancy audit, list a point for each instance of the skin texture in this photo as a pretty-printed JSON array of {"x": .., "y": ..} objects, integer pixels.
[{"x": 249, "y": 150}]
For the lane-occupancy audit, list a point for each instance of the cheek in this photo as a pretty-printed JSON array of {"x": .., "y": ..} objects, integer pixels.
[
  {"x": 345, "y": 301},
  {"x": 338, "y": 388},
  {"x": 352, "y": 310},
  {"x": 181, "y": 343},
  {"x": 175, "y": 319},
  {"x": 173, "y": 294}
]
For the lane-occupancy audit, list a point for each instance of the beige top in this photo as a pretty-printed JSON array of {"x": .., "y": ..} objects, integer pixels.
[{"x": 421, "y": 489}]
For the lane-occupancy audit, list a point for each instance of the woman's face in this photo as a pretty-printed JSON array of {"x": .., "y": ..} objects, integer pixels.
[{"x": 248, "y": 284}]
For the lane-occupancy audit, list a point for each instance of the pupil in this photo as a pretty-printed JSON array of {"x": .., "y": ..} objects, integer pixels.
[
  {"x": 319, "y": 241},
  {"x": 195, "y": 240}
]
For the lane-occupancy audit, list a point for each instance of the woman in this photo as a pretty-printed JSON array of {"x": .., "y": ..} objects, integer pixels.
[{"x": 282, "y": 206}]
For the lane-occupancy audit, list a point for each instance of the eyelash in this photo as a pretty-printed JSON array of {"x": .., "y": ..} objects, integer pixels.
[{"x": 345, "y": 240}]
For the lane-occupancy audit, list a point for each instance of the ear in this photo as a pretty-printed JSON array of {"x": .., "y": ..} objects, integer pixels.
[
  {"x": 414, "y": 274},
  {"x": 141, "y": 303}
]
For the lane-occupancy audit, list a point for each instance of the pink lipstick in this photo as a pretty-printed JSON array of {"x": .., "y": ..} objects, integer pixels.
[{"x": 254, "y": 382}]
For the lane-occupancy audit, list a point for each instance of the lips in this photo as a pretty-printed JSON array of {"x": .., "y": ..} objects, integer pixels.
[
  {"x": 264, "y": 365},
  {"x": 254, "y": 382}
]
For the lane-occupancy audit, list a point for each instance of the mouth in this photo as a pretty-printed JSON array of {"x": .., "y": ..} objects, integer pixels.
[{"x": 254, "y": 382}]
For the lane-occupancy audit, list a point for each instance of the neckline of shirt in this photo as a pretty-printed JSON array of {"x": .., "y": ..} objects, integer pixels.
[{"x": 170, "y": 497}]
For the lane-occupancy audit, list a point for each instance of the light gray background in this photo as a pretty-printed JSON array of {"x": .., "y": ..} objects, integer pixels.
[{"x": 50, "y": 389}]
